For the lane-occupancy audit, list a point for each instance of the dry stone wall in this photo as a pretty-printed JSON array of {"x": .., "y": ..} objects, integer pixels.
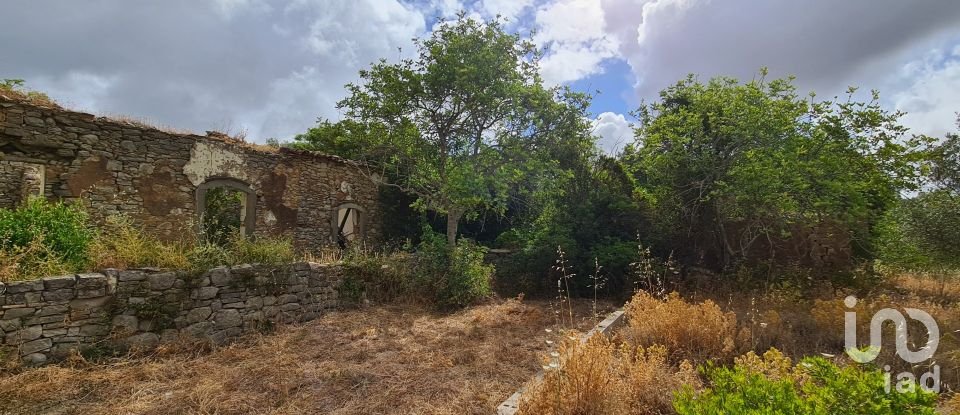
[
  {"x": 47, "y": 319},
  {"x": 19, "y": 181},
  {"x": 154, "y": 176}
]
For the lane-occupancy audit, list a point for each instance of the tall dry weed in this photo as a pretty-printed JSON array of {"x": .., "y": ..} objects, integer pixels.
[
  {"x": 697, "y": 332},
  {"x": 598, "y": 377}
]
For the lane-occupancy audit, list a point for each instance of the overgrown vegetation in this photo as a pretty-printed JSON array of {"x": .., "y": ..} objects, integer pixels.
[
  {"x": 648, "y": 366},
  {"x": 16, "y": 88},
  {"x": 435, "y": 273},
  {"x": 41, "y": 239},
  {"x": 771, "y": 384}
]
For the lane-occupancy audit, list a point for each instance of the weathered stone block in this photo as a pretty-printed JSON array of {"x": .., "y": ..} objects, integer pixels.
[
  {"x": 34, "y": 359},
  {"x": 91, "y": 282},
  {"x": 287, "y": 298},
  {"x": 205, "y": 293},
  {"x": 255, "y": 303},
  {"x": 33, "y": 298},
  {"x": 142, "y": 341},
  {"x": 162, "y": 281},
  {"x": 220, "y": 276},
  {"x": 125, "y": 324},
  {"x": 91, "y": 293},
  {"x": 61, "y": 282},
  {"x": 9, "y": 325},
  {"x": 286, "y": 308},
  {"x": 24, "y": 334},
  {"x": 227, "y": 318},
  {"x": 65, "y": 294},
  {"x": 134, "y": 275},
  {"x": 94, "y": 330},
  {"x": 198, "y": 314},
  {"x": 54, "y": 332},
  {"x": 34, "y": 346},
  {"x": 199, "y": 329},
  {"x": 52, "y": 310},
  {"x": 18, "y": 287}
]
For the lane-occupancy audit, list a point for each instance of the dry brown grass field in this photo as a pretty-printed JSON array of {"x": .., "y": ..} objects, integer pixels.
[{"x": 377, "y": 360}]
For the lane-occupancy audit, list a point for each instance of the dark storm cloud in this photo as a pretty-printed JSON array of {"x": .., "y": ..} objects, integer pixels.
[{"x": 827, "y": 44}]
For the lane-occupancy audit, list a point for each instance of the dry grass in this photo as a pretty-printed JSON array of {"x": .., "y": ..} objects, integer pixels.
[
  {"x": 373, "y": 361},
  {"x": 695, "y": 332},
  {"x": 15, "y": 92},
  {"x": 598, "y": 377}
]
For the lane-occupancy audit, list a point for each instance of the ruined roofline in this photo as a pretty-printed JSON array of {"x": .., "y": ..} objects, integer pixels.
[{"x": 24, "y": 100}]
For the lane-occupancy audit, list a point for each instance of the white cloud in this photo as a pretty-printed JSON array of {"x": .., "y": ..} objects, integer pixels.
[
  {"x": 572, "y": 32},
  {"x": 196, "y": 66},
  {"x": 613, "y": 132},
  {"x": 509, "y": 9},
  {"x": 930, "y": 99}
]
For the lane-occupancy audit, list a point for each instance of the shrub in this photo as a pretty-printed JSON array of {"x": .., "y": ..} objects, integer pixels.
[
  {"x": 30, "y": 262},
  {"x": 457, "y": 275},
  {"x": 598, "y": 377},
  {"x": 262, "y": 250},
  {"x": 437, "y": 274},
  {"x": 690, "y": 331},
  {"x": 384, "y": 277},
  {"x": 815, "y": 386},
  {"x": 40, "y": 236},
  {"x": 122, "y": 245}
]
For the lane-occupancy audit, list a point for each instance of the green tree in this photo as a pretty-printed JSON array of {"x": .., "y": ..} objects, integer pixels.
[
  {"x": 732, "y": 166},
  {"x": 459, "y": 125},
  {"x": 923, "y": 231}
]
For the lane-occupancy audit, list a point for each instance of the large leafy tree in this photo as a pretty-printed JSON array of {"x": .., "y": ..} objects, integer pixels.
[
  {"x": 458, "y": 125},
  {"x": 732, "y": 166}
]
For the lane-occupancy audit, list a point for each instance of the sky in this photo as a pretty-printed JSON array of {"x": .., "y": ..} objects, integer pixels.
[{"x": 271, "y": 68}]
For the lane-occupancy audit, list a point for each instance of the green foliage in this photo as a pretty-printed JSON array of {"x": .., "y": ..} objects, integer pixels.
[
  {"x": 923, "y": 232},
  {"x": 220, "y": 221},
  {"x": 11, "y": 84},
  {"x": 458, "y": 125},
  {"x": 732, "y": 167},
  {"x": 17, "y": 87},
  {"x": 457, "y": 275},
  {"x": 816, "y": 386},
  {"x": 589, "y": 208},
  {"x": 437, "y": 274},
  {"x": 46, "y": 233},
  {"x": 262, "y": 250}
]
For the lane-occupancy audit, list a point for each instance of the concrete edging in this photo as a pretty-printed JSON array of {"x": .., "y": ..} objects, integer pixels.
[{"x": 613, "y": 320}]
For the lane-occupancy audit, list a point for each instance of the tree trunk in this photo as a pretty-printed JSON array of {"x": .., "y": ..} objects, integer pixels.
[{"x": 453, "y": 221}]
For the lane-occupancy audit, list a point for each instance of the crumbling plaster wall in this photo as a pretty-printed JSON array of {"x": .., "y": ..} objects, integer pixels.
[{"x": 152, "y": 176}]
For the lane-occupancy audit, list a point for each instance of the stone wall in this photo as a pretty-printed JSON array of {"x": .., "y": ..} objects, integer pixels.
[
  {"x": 18, "y": 181},
  {"x": 155, "y": 176},
  {"x": 47, "y": 319}
]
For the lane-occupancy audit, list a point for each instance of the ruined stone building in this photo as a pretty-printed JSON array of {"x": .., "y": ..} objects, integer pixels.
[{"x": 160, "y": 179}]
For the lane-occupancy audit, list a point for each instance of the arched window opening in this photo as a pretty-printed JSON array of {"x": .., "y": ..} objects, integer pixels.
[
  {"x": 226, "y": 210},
  {"x": 347, "y": 221}
]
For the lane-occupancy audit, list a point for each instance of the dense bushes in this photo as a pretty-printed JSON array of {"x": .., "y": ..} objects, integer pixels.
[
  {"x": 771, "y": 385},
  {"x": 435, "y": 274},
  {"x": 40, "y": 237}
]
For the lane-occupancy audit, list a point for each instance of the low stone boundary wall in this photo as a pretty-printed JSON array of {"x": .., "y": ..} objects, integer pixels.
[{"x": 47, "y": 319}]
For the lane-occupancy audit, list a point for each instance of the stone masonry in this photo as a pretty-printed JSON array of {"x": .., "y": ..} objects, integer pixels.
[
  {"x": 47, "y": 319},
  {"x": 156, "y": 177}
]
